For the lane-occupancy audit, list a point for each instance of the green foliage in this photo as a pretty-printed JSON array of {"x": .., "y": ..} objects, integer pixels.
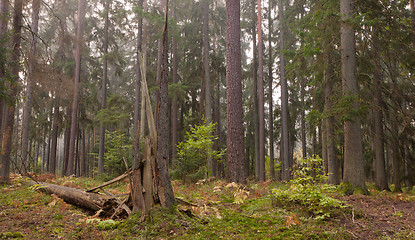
[
  {"x": 309, "y": 189},
  {"x": 118, "y": 147},
  {"x": 193, "y": 154}
]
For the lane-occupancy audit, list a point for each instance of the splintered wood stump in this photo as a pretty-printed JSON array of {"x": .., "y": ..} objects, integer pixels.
[{"x": 78, "y": 197}]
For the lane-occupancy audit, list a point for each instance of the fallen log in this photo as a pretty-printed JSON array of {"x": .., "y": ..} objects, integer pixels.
[{"x": 77, "y": 197}]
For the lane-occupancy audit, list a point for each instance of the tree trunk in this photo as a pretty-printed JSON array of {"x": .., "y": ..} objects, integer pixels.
[
  {"x": 4, "y": 20},
  {"x": 15, "y": 68},
  {"x": 380, "y": 169},
  {"x": 74, "y": 122},
  {"x": 353, "y": 152},
  {"x": 104, "y": 89},
  {"x": 174, "y": 100},
  {"x": 27, "y": 110},
  {"x": 137, "y": 194},
  {"x": 235, "y": 136},
  {"x": 286, "y": 168},
  {"x": 332, "y": 163},
  {"x": 206, "y": 64},
  {"x": 52, "y": 161},
  {"x": 165, "y": 190},
  {"x": 270, "y": 92},
  {"x": 255, "y": 91},
  {"x": 261, "y": 101}
]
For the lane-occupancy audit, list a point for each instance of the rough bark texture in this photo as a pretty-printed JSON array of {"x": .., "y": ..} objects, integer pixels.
[
  {"x": 270, "y": 92},
  {"x": 104, "y": 89},
  {"x": 286, "y": 168},
  {"x": 27, "y": 109},
  {"x": 353, "y": 150},
  {"x": 332, "y": 163},
  {"x": 235, "y": 136},
  {"x": 379, "y": 161},
  {"x": 54, "y": 136},
  {"x": 261, "y": 101},
  {"x": 206, "y": 66},
  {"x": 165, "y": 190},
  {"x": 74, "y": 116},
  {"x": 255, "y": 91},
  {"x": 175, "y": 109},
  {"x": 15, "y": 68},
  {"x": 4, "y": 20},
  {"x": 137, "y": 194}
]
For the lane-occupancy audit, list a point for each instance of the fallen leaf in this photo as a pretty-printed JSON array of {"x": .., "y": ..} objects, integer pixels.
[{"x": 292, "y": 220}]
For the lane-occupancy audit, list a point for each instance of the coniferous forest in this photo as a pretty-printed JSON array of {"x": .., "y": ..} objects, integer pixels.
[{"x": 262, "y": 119}]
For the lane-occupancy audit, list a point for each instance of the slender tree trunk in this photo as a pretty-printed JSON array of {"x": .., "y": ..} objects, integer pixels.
[
  {"x": 52, "y": 161},
  {"x": 104, "y": 89},
  {"x": 174, "y": 101},
  {"x": 261, "y": 101},
  {"x": 353, "y": 152},
  {"x": 4, "y": 20},
  {"x": 159, "y": 63},
  {"x": 137, "y": 194},
  {"x": 27, "y": 110},
  {"x": 165, "y": 190},
  {"x": 66, "y": 148},
  {"x": 206, "y": 64},
  {"x": 15, "y": 68},
  {"x": 235, "y": 136},
  {"x": 82, "y": 169},
  {"x": 255, "y": 92},
  {"x": 286, "y": 168},
  {"x": 74, "y": 123},
  {"x": 332, "y": 163},
  {"x": 380, "y": 169},
  {"x": 270, "y": 92}
]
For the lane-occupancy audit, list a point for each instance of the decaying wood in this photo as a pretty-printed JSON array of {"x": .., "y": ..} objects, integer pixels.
[
  {"x": 77, "y": 197},
  {"x": 117, "y": 179}
]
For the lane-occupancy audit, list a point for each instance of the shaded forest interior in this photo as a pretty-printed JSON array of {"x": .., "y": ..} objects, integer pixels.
[{"x": 236, "y": 90}]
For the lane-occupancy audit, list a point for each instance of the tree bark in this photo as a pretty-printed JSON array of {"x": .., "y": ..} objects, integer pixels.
[
  {"x": 52, "y": 160},
  {"x": 353, "y": 152},
  {"x": 235, "y": 136},
  {"x": 206, "y": 64},
  {"x": 332, "y": 163},
  {"x": 270, "y": 92},
  {"x": 380, "y": 169},
  {"x": 74, "y": 123},
  {"x": 174, "y": 100},
  {"x": 104, "y": 89},
  {"x": 27, "y": 110},
  {"x": 165, "y": 190},
  {"x": 4, "y": 20},
  {"x": 286, "y": 168},
  {"x": 261, "y": 101},
  {"x": 255, "y": 91},
  {"x": 15, "y": 68}
]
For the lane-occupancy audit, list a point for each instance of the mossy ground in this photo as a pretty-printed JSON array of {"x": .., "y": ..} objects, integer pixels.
[{"x": 220, "y": 211}]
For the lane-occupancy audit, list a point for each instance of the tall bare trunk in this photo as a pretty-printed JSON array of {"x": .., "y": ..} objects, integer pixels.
[
  {"x": 286, "y": 168},
  {"x": 15, "y": 69},
  {"x": 332, "y": 163},
  {"x": 27, "y": 110},
  {"x": 54, "y": 136},
  {"x": 380, "y": 168},
  {"x": 104, "y": 89},
  {"x": 165, "y": 189},
  {"x": 261, "y": 101},
  {"x": 74, "y": 123},
  {"x": 235, "y": 136},
  {"x": 270, "y": 100},
  {"x": 174, "y": 101},
  {"x": 4, "y": 20},
  {"x": 255, "y": 91},
  {"x": 353, "y": 149}
]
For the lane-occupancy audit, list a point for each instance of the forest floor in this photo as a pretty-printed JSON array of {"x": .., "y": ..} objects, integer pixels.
[{"x": 220, "y": 211}]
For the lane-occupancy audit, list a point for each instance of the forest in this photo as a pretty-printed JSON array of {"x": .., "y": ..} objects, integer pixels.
[{"x": 212, "y": 108}]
